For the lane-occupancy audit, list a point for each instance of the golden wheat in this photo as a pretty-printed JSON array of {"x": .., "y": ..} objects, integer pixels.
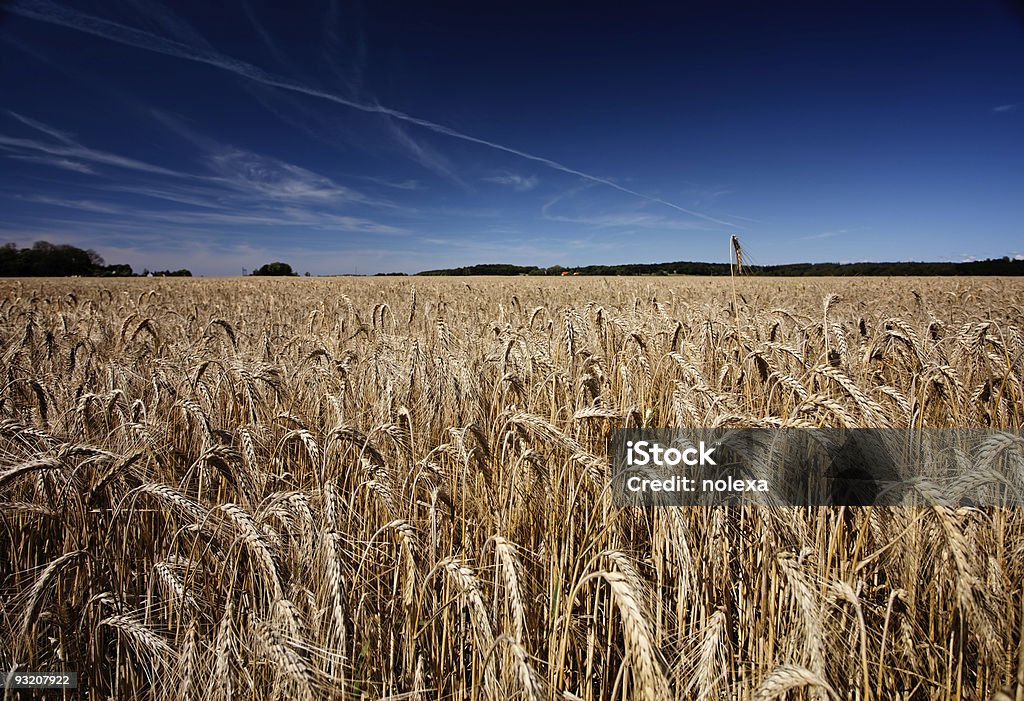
[{"x": 380, "y": 488}]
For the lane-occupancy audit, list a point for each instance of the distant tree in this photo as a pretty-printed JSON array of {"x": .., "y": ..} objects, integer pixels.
[
  {"x": 276, "y": 268},
  {"x": 46, "y": 259},
  {"x": 487, "y": 269},
  {"x": 9, "y": 263},
  {"x": 173, "y": 273},
  {"x": 994, "y": 266},
  {"x": 55, "y": 260},
  {"x": 122, "y": 270}
]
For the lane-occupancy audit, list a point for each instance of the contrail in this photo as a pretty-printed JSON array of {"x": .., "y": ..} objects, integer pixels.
[{"x": 52, "y": 13}]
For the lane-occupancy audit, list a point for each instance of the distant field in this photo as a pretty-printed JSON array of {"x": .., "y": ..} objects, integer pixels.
[{"x": 391, "y": 487}]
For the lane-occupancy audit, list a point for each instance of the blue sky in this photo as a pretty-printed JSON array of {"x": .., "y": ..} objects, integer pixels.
[{"x": 399, "y": 136}]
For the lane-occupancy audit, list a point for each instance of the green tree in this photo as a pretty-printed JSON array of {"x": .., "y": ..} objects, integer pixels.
[{"x": 276, "y": 268}]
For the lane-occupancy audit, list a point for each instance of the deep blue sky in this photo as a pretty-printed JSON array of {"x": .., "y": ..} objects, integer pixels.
[{"x": 401, "y": 136}]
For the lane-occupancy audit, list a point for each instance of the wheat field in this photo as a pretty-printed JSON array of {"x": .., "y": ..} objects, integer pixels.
[{"x": 397, "y": 488}]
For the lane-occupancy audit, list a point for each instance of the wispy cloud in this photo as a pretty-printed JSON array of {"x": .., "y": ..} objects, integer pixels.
[
  {"x": 519, "y": 183},
  {"x": 822, "y": 235},
  {"x": 83, "y": 205},
  {"x": 584, "y": 214},
  {"x": 423, "y": 154},
  {"x": 230, "y": 168},
  {"x": 706, "y": 195},
  {"x": 630, "y": 220},
  {"x": 56, "y": 162},
  {"x": 268, "y": 41},
  {"x": 237, "y": 190},
  {"x": 209, "y": 220},
  {"x": 408, "y": 184},
  {"x": 194, "y": 196},
  {"x": 1007, "y": 108},
  {"x": 345, "y": 59},
  {"x": 44, "y": 128},
  {"x": 52, "y": 13},
  {"x": 74, "y": 151},
  {"x": 154, "y": 12},
  {"x": 262, "y": 176}
]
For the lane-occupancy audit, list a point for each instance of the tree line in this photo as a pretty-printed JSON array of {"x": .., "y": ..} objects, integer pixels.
[
  {"x": 45, "y": 259},
  {"x": 992, "y": 266}
]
